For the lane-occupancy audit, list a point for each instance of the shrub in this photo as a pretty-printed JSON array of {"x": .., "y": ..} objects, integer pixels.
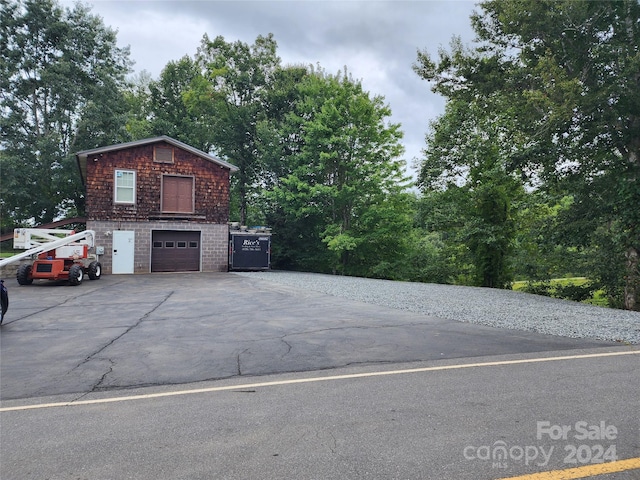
[
  {"x": 577, "y": 293},
  {"x": 538, "y": 288}
]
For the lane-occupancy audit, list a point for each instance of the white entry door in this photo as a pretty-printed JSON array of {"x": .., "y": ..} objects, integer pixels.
[{"x": 123, "y": 250}]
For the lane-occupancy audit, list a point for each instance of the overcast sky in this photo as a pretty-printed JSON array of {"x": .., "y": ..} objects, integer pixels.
[{"x": 376, "y": 40}]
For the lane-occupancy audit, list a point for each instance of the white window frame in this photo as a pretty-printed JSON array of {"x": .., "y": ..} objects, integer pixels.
[{"x": 117, "y": 187}]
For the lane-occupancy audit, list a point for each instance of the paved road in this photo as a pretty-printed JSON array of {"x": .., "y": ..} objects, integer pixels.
[
  {"x": 141, "y": 335},
  {"x": 128, "y": 331}
]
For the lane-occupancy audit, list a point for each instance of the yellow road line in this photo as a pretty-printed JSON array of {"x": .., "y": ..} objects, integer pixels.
[
  {"x": 313, "y": 379},
  {"x": 582, "y": 472}
]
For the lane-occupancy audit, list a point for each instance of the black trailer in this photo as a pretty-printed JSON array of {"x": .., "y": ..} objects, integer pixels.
[{"x": 249, "y": 250}]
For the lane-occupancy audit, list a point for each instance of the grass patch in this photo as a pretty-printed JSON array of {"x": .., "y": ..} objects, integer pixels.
[
  {"x": 599, "y": 299},
  {"x": 554, "y": 282},
  {"x": 577, "y": 289}
]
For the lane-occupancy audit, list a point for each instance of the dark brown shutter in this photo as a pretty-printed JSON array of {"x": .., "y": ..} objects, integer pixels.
[{"x": 177, "y": 194}]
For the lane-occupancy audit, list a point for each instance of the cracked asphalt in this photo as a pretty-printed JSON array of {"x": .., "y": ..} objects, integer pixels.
[
  {"x": 220, "y": 376},
  {"x": 123, "y": 332}
]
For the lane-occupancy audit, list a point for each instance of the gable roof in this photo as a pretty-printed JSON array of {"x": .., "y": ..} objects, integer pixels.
[{"x": 81, "y": 157}]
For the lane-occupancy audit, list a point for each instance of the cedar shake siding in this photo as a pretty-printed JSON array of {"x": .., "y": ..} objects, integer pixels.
[
  {"x": 211, "y": 186},
  {"x": 158, "y": 188}
]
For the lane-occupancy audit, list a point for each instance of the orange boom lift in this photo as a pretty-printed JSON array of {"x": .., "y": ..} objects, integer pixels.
[{"x": 55, "y": 255}]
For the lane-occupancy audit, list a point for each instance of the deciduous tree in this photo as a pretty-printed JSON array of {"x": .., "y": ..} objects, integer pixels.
[
  {"x": 60, "y": 78},
  {"x": 346, "y": 178},
  {"x": 566, "y": 73},
  {"x": 467, "y": 152},
  {"x": 231, "y": 94}
]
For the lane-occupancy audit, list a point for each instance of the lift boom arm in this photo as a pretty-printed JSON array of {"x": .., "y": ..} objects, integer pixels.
[{"x": 44, "y": 241}]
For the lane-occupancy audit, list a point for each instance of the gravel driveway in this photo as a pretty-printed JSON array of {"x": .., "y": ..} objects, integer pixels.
[{"x": 485, "y": 306}]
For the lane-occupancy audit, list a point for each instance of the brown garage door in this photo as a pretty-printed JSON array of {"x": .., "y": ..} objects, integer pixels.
[{"x": 175, "y": 251}]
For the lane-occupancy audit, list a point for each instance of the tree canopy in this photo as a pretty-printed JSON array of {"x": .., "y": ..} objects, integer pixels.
[
  {"x": 563, "y": 77},
  {"x": 61, "y": 75},
  {"x": 532, "y": 170},
  {"x": 232, "y": 93},
  {"x": 344, "y": 177}
]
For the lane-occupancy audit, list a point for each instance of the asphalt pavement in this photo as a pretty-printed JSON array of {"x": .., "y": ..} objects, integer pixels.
[
  {"x": 223, "y": 376},
  {"x": 130, "y": 331}
]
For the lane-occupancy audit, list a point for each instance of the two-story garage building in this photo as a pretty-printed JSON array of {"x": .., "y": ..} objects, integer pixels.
[{"x": 157, "y": 205}]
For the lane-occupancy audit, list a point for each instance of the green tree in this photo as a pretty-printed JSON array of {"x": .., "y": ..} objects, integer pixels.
[
  {"x": 467, "y": 152},
  {"x": 278, "y": 142},
  {"x": 344, "y": 192},
  {"x": 280, "y": 131},
  {"x": 428, "y": 257},
  {"x": 60, "y": 74},
  {"x": 138, "y": 100},
  {"x": 566, "y": 74},
  {"x": 491, "y": 230},
  {"x": 386, "y": 232},
  {"x": 160, "y": 107},
  {"x": 170, "y": 114},
  {"x": 231, "y": 95},
  {"x": 545, "y": 249}
]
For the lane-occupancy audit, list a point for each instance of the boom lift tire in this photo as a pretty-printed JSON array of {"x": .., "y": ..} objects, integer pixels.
[
  {"x": 76, "y": 274},
  {"x": 24, "y": 275},
  {"x": 95, "y": 270}
]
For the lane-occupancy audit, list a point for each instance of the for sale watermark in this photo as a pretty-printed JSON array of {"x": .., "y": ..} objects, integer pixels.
[{"x": 579, "y": 443}]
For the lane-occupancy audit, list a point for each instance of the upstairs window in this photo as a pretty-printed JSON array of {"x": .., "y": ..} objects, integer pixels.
[
  {"x": 177, "y": 194},
  {"x": 125, "y": 187},
  {"x": 163, "y": 155}
]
